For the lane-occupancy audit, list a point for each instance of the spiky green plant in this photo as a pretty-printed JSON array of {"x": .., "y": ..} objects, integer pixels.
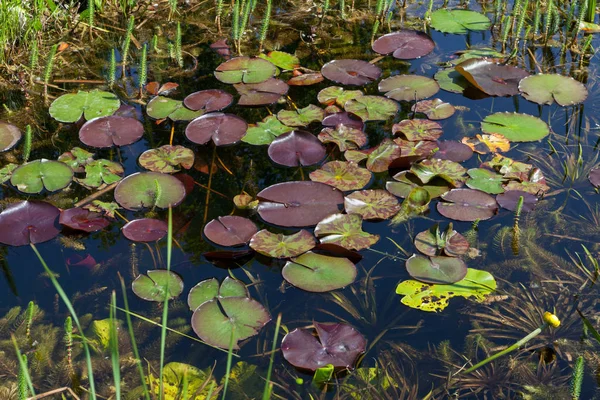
[
  {"x": 219, "y": 12},
  {"x": 113, "y": 344},
  {"x": 91, "y": 13},
  {"x": 583, "y": 6},
  {"x": 549, "y": 16},
  {"x": 34, "y": 56},
  {"x": 27, "y": 143},
  {"x": 143, "y": 69},
  {"x": 590, "y": 14},
  {"x": 245, "y": 18},
  {"x": 48, "y": 69},
  {"x": 112, "y": 69},
  {"x": 69, "y": 341},
  {"x": 29, "y": 314},
  {"x": 235, "y": 24},
  {"x": 155, "y": 43},
  {"x": 127, "y": 42},
  {"x": 342, "y": 4},
  {"x": 537, "y": 18},
  {"x": 265, "y": 24},
  {"x": 178, "y": 49},
  {"x": 172, "y": 8},
  {"x": 521, "y": 20},
  {"x": 22, "y": 379},
  {"x": 577, "y": 378},
  {"x": 516, "y": 231}
]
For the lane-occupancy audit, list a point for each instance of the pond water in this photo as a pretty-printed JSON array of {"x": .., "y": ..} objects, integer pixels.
[{"x": 410, "y": 352}]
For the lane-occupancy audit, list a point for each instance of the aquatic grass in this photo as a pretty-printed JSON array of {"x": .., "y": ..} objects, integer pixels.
[
  {"x": 537, "y": 18},
  {"x": 219, "y": 12},
  {"x": 127, "y": 43},
  {"x": 91, "y": 12},
  {"x": 245, "y": 19},
  {"x": 516, "y": 231},
  {"x": 25, "y": 384},
  {"x": 178, "y": 50},
  {"x": 342, "y": 4},
  {"x": 229, "y": 358},
  {"x": 577, "y": 378},
  {"x": 29, "y": 320},
  {"x": 48, "y": 69},
  {"x": 583, "y": 6},
  {"x": 268, "y": 384},
  {"x": 235, "y": 24},
  {"x": 143, "y": 70},
  {"x": 34, "y": 56},
  {"x": 590, "y": 14},
  {"x": 113, "y": 344},
  {"x": 68, "y": 338},
  {"x": 265, "y": 25},
  {"x": 165, "y": 315},
  {"x": 112, "y": 69},
  {"x": 172, "y": 8}
]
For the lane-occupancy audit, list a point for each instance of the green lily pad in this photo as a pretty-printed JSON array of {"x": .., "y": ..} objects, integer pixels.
[
  {"x": 245, "y": 70},
  {"x": 99, "y": 172},
  {"x": 167, "y": 159},
  {"x": 345, "y": 137},
  {"x": 337, "y": 95},
  {"x": 6, "y": 172},
  {"x": 372, "y": 204},
  {"x": 342, "y": 175},
  {"x": 482, "y": 52},
  {"x": 301, "y": 116},
  {"x": 70, "y": 107},
  {"x": 210, "y": 289},
  {"x": 319, "y": 273},
  {"x": 265, "y": 131},
  {"x": 437, "y": 270},
  {"x": 408, "y": 87},
  {"x": 509, "y": 168},
  {"x": 433, "y": 242},
  {"x": 345, "y": 230},
  {"x": 459, "y": 21},
  {"x": 415, "y": 204},
  {"x": 372, "y": 108},
  {"x": 476, "y": 285},
  {"x": 485, "y": 180},
  {"x": 406, "y": 182},
  {"x": 161, "y": 107},
  {"x": 515, "y": 127},
  {"x": 451, "y": 171},
  {"x": 451, "y": 80},
  {"x": 282, "y": 246},
  {"x": 416, "y": 130},
  {"x": 435, "y": 109},
  {"x": 282, "y": 59},
  {"x": 149, "y": 189},
  {"x": 77, "y": 158},
  {"x": 35, "y": 176},
  {"x": 9, "y": 136},
  {"x": 548, "y": 88},
  {"x": 154, "y": 285}
]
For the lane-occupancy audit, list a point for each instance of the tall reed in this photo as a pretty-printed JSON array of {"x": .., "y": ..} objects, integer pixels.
[
  {"x": 590, "y": 14},
  {"x": 113, "y": 344},
  {"x": 265, "y": 24},
  {"x": 268, "y": 385},
  {"x": 342, "y": 4},
  {"x": 165, "y": 315}
]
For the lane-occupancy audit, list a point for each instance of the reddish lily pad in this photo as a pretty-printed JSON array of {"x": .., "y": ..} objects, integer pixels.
[
  {"x": 9, "y": 136},
  {"x": 345, "y": 137},
  {"x": 296, "y": 148},
  {"x": 77, "y": 260},
  {"x": 230, "y": 230},
  {"x": 372, "y": 204},
  {"x": 246, "y": 70},
  {"x": 382, "y": 156},
  {"x": 265, "y": 131},
  {"x": 418, "y": 129},
  {"x": 408, "y": 87},
  {"x": 298, "y": 203},
  {"x": 157, "y": 285},
  {"x": 145, "y": 230},
  {"x": 149, "y": 189},
  {"x": 345, "y": 230},
  {"x": 548, "y": 88},
  {"x": 210, "y": 100},
  {"x": 436, "y": 270},
  {"x": 510, "y": 199},
  {"x": 83, "y": 220},
  {"x": 372, "y": 108},
  {"x": 351, "y": 72},
  {"x": 306, "y": 79},
  {"x": 28, "y": 222},
  {"x": 167, "y": 159},
  {"x": 261, "y": 94},
  {"x": 594, "y": 177},
  {"x": 433, "y": 242},
  {"x": 404, "y": 44},
  {"x": 434, "y": 109},
  {"x": 453, "y": 151},
  {"x": 301, "y": 116},
  {"x": 406, "y": 182},
  {"x": 342, "y": 175},
  {"x": 485, "y": 180},
  {"x": 492, "y": 78},
  {"x": 467, "y": 205},
  {"x": 452, "y": 172},
  {"x": 319, "y": 273},
  {"x": 282, "y": 246},
  {"x": 413, "y": 151},
  {"x": 111, "y": 131},
  {"x": 222, "y": 128},
  {"x": 337, "y": 95},
  {"x": 210, "y": 289},
  {"x": 343, "y": 118}
]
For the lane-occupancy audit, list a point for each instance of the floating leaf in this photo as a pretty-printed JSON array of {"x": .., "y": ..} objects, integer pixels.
[
  {"x": 230, "y": 230},
  {"x": 176, "y": 376},
  {"x": 6, "y": 172},
  {"x": 492, "y": 78},
  {"x": 345, "y": 137},
  {"x": 433, "y": 298},
  {"x": 437, "y": 270},
  {"x": 210, "y": 289},
  {"x": 418, "y": 129},
  {"x": 162, "y": 107},
  {"x": 35, "y": 176},
  {"x": 515, "y": 127},
  {"x": 413, "y": 151},
  {"x": 149, "y": 189},
  {"x": 594, "y": 176},
  {"x": 510, "y": 199},
  {"x": 210, "y": 100},
  {"x": 433, "y": 242},
  {"x": 451, "y": 80},
  {"x": 343, "y": 118},
  {"x": 296, "y": 148},
  {"x": 510, "y": 168},
  {"x": 337, "y": 344},
  {"x": 155, "y": 88},
  {"x": 319, "y": 273},
  {"x": 406, "y": 182},
  {"x": 70, "y": 107},
  {"x": 404, "y": 44},
  {"x": 372, "y": 204},
  {"x": 458, "y": 21},
  {"x": 83, "y": 220},
  {"x": 101, "y": 172},
  {"x": 448, "y": 170},
  {"x": 372, "y": 108},
  {"x": 485, "y": 180},
  {"x": 473, "y": 52},
  {"x": 535, "y": 188},
  {"x": 145, "y": 230},
  {"x": 261, "y": 94},
  {"x": 301, "y": 116},
  {"x": 306, "y": 79},
  {"x": 453, "y": 151},
  {"x": 167, "y": 159},
  {"x": 345, "y": 230},
  {"x": 28, "y": 222},
  {"x": 9, "y": 136},
  {"x": 337, "y": 95},
  {"x": 281, "y": 59},
  {"x": 108, "y": 209},
  {"x": 246, "y": 70},
  {"x": 282, "y": 246},
  {"x": 548, "y": 88},
  {"x": 382, "y": 156},
  {"x": 77, "y": 159},
  {"x": 434, "y": 109},
  {"x": 265, "y": 131},
  {"x": 342, "y": 175},
  {"x": 467, "y": 205},
  {"x": 351, "y": 72},
  {"x": 111, "y": 131},
  {"x": 416, "y": 203},
  {"x": 157, "y": 284},
  {"x": 222, "y": 128},
  {"x": 484, "y": 144},
  {"x": 408, "y": 87}
]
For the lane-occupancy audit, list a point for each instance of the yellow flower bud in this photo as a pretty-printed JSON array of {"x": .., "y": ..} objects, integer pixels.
[{"x": 551, "y": 319}]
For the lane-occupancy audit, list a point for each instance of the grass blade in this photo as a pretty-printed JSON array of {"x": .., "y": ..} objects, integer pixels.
[
  {"x": 114, "y": 346},
  {"x": 268, "y": 386}
]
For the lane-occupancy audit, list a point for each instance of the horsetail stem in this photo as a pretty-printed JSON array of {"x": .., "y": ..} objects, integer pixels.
[
  {"x": 27, "y": 143},
  {"x": 48, "y": 70},
  {"x": 22, "y": 380},
  {"x": 112, "y": 69},
  {"x": 34, "y": 56},
  {"x": 265, "y": 24},
  {"x": 178, "y": 51},
  {"x": 91, "y": 12},
  {"x": 577, "y": 378},
  {"x": 219, "y": 9},
  {"x": 69, "y": 341},
  {"x": 143, "y": 68},
  {"x": 127, "y": 42}
]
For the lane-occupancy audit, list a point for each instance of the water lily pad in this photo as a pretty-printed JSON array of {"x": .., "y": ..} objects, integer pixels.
[
  {"x": 157, "y": 285},
  {"x": 408, "y": 87},
  {"x": 415, "y": 204},
  {"x": 83, "y": 220},
  {"x": 418, "y": 129},
  {"x": 261, "y": 94},
  {"x": 265, "y": 131},
  {"x": 167, "y": 159},
  {"x": 337, "y": 95},
  {"x": 476, "y": 285},
  {"x": 484, "y": 144},
  {"x": 6, "y": 172},
  {"x": 161, "y": 107},
  {"x": 380, "y": 158},
  {"x": 210, "y": 289},
  {"x": 467, "y": 205},
  {"x": 319, "y": 273},
  {"x": 28, "y": 222},
  {"x": 453, "y": 151},
  {"x": 342, "y": 175},
  {"x": 77, "y": 159},
  {"x": 343, "y": 118},
  {"x": 435, "y": 109},
  {"x": 336, "y": 344},
  {"x": 101, "y": 172},
  {"x": 492, "y": 78},
  {"x": 434, "y": 242},
  {"x": 485, "y": 180},
  {"x": 437, "y": 270},
  {"x": 145, "y": 230},
  {"x": 345, "y": 230},
  {"x": 372, "y": 108},
  {"x": 216, "y": 321},
  {"x": 230, "y": 230},
  {"x": 35, "y": 176},
  {"x": 301, "y": 116},
  {"x": 282, "y": 246},
  {"x": 515, "y": 127},
  {"x": 70, "y": 107},
  {"x": 451, "y": 80},
  {"x": 476, "y": 52},
  {"x": 222, "y": 128},
  {"x": 448, "y": 170},
  {"x": 282, "y": 59},
  {"x": 548, "y": 88},
  {"x": 345, "y": 137},
  {"x": 209, "y": 100},
  {"x": 404, "y": 44},
  {"x": 459, "y": 21},
  {"x": 296, "y": 148},
  {"x": 594, "y": 177},
  {"x": 510, "y": 199},
  {"x": 149, "y": 189},
  {"x": 510, "y": 168},
  {"x": 306, "y": 79},
  {"x": 9, "y": 136},
  {"x": 351, "y": 72},
  {"x": 245, "y": 70},
  {"x": 298, "y": 203},
  {"x": 111, "y": 131},
  {"x": 413, "y": 151},
  {"x": 372, "y": 204},
  {"x": 406, "y": 182}
]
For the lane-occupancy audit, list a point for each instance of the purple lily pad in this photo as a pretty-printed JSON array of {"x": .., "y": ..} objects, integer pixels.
[
  {"x": 28, "y": 222},
  {"x": 9, "y": 136},
  {"x": 208, "y": 100},
  {"x": 343, "y": 118},
  {"x": 351, "y": 72},
  {"x": 230, "y": 230},
  {"x": 296, "y": 148},
  {"x": 111, "y": 131},
  {"x": 77, "y": 260},
  {"x": 83, "y": 220},
  {"x": 405, "y": 44},
  {"x": 145, "y": 230},
  {"x": 594, "y": 176},
  {"x": 467, "y": 205},
  {"x": 222, "y": 128},
  {"x": 336, "y": 344},
  {"x": 261, "y": 94},
  {"x": 510, "y": 199},
  {"x": 453, "y": 151},
  {"x": 418, "y": 129},
  {"x": 492, "y": 78}
]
